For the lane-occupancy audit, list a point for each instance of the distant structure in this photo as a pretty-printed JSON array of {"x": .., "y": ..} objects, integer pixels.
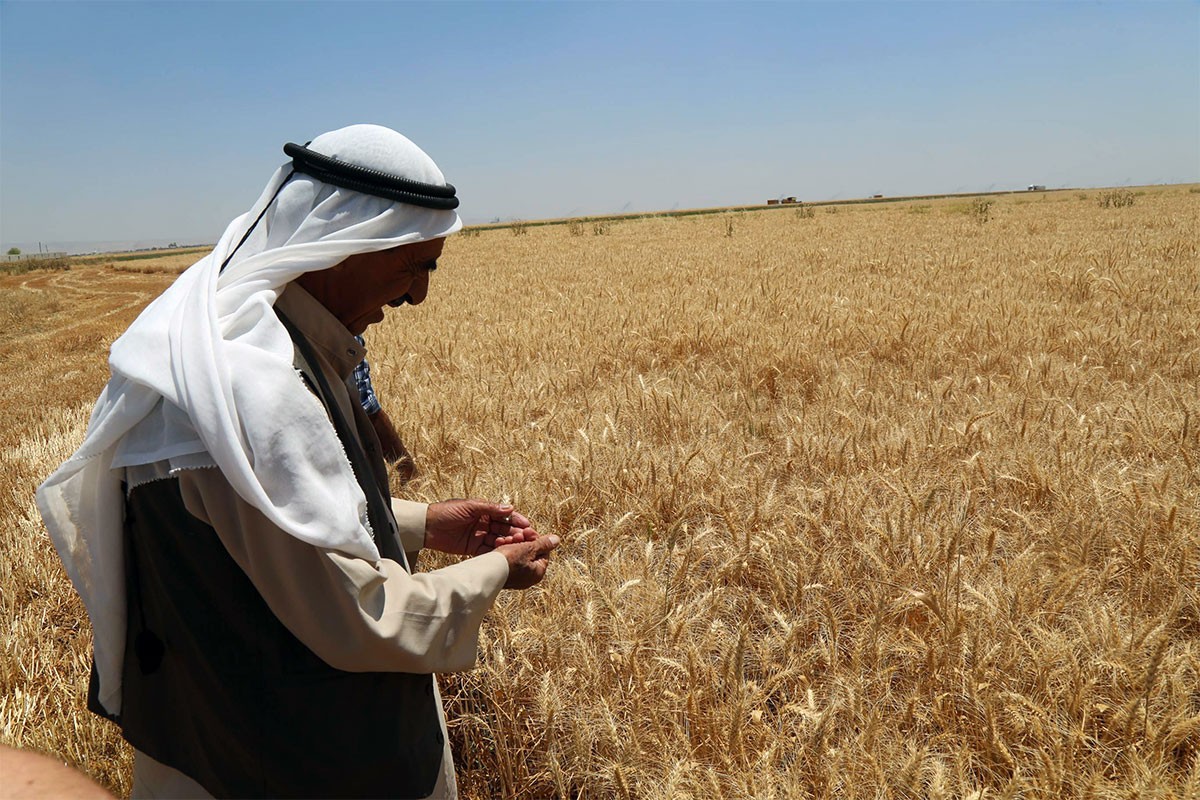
[
  {"x": 1036, "y": 187},
  {"x": 34, "y": 256},
  {"x": 876, "y": 196},
  {"x": 787, "y": 201}
]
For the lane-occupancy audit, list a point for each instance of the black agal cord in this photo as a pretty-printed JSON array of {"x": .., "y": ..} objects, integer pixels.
[{"x": 370, "y": 181}]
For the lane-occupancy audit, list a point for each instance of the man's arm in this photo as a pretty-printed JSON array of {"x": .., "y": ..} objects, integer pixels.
[
  {"x": 410, "y": 526},
  {"x": 25, "y": 774},
  {"x": 392, "y": 446},
  {"x": 355, "y": 615},
  {"x": 393, "y": 449}
]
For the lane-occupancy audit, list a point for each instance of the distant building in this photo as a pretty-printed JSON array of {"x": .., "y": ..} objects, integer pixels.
[
  {"x": 1036, "y": 187},
  {"x": 788, "y": 200},
  {"x": 35, "y": 256},
  {"x": 774, "y": 201},
  {"x": 876, "y": 196}
]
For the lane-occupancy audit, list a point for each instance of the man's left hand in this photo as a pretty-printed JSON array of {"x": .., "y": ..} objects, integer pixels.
[{"x": 472, "y": 527}]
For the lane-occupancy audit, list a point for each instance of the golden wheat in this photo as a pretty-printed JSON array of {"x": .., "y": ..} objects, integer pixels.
[{"x": 902, "y": 501}]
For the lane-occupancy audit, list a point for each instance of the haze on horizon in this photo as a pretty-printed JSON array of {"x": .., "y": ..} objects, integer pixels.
[{"x": 139, "y": 121}]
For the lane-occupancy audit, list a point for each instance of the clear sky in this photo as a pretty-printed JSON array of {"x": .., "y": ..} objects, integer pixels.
[{"x": 127, "y": 121}]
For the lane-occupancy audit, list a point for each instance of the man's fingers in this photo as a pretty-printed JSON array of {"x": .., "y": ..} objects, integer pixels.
[
  {"x": 502, "y": 520},
  {"x": 508, "y": 516},
  {"x": 528, "y": 561},
  {"x": 544, "y": 544},
  {"x": 503, "y": 512},
  {"x": 499, "y": 528},
  {"x": 536, "y": 549}
]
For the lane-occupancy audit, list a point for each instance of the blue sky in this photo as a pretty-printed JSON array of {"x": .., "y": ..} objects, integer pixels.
[{"x": 131, "y": 121}]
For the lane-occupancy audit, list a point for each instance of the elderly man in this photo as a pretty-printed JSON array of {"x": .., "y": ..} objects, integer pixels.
[{"x": 259, "y": 628}]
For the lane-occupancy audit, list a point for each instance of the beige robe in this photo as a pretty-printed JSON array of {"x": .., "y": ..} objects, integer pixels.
[{"x": 356, "y": 615}]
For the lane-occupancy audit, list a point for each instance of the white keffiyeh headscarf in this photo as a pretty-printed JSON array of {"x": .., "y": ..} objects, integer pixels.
[{"x": 205, "y": 373}]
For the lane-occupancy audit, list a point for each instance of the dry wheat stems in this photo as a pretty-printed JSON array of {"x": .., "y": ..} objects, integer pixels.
[{"x": 892, "y": 502}]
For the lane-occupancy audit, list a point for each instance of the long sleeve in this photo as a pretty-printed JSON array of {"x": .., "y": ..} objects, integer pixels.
[
  {"x": 355, "y": 615},
  {"x": 410, "y": 526}
]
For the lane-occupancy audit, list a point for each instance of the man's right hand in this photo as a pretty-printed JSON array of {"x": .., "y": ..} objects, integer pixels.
[{"x": 527, "y": 561}]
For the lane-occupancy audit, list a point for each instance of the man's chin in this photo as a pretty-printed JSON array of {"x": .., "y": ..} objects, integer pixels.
[{"x": 360, "y": 325}]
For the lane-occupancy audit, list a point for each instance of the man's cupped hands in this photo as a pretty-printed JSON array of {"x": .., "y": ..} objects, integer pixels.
[{"x": 473, "y": 527}]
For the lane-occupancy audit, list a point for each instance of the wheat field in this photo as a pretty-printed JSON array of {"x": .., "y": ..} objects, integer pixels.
[{"x": 882, "y": 501}]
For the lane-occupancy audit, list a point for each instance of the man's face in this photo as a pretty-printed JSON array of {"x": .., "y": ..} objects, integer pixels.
[{"x": 356, "y": 290}]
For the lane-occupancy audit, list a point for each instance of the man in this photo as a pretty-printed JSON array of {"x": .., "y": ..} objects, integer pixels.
[{"x": 259, "y": 630}]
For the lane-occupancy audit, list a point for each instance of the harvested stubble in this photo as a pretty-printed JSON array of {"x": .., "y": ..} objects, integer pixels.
[
  {"x": 868, "y": 505},
  {"x": 173, "y": 263}
]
